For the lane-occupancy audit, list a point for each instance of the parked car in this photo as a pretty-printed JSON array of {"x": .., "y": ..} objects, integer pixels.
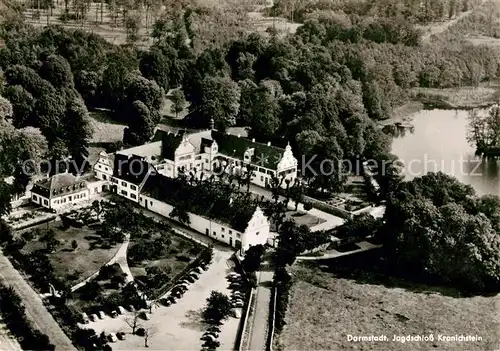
[
  {"x": 114, "y": 314},
  {"x": 190, "y": 279},
  {"x": 131, "y": 308},
  {"x": 194, "y": 275},
  {"x": 112, "y": 337},
  {"x": 85, "y": 318},
  {"x": 208, "y": 338},
  {"x": 197, "y": 270},
  {"x": 214, "y": 328},
  {"x": 93, "y": 317},
  {"x": 101, "y": 315},
  {"x": 121, "y": 335},
  {"x": 214, "y": 334},
  {"x": 121, "y": 310}
]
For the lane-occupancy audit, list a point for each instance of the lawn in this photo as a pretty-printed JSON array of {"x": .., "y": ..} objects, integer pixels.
[
  {"x": 171, "y": 258},
  {"x": 324, "y": 308},
  {"x": 73, "y": 265}
]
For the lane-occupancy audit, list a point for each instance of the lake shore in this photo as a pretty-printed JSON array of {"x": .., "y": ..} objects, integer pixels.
[{"x": 463, "y": 98}]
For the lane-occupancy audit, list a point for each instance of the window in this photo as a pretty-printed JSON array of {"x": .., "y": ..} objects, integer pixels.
[
  {"x": 124, "y": 184},
  {"x": 70, "y": 198},
  {"x": 198, "y": 157},
  {"x": 261, "y": 178},
  {"x": 133, "y": 196},
  {"x": 104, "y": 177},
  {"x": 223, "y": 229},
  {"x": 257, "y": 233},
  {"x": 133, "y": 187},
  {"x": 106, "y": 168},
  {"x": 151, "y": 203},
  {"x": 222, "y": 236},
  {"x": 35, "y": 198},
  {"x": 215, "y": 234},
  {"x": 140, "y": 198},
  {"x": 206, "y": 160},
  {"x": 114, "y": 180},
  {"x": 45, "y": 202},
  {"x": 123, "y": 192},
  {"x": 98, "y": 166},
  {"x": 238, "y": 235},
  {"x": 230, "y": 232},
  {"x": 56, "y": 201}
]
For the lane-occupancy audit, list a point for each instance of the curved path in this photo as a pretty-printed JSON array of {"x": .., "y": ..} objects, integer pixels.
[
  {"x": 35, "y": 310},
  {"x": 120, "y": 257}
]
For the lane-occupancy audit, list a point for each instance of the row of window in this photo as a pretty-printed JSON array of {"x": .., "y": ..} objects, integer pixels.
[
  {"x": 124, "y": 193},
  {"x": 70, "y": 198},
  {"x": 132, "y": 187}
]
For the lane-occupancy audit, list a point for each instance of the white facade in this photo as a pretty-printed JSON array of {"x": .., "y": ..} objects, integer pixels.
[
  {"x": 191, "y": 154},
  {"x": 103, "y": 169},
  {"x": 256, "y": 233},
  {"x": 65, "y": 200}
]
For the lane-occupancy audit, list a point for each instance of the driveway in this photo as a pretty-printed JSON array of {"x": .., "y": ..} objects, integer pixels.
[
  {"x": 179, "y": 326},
  {"x": 35, "y": 310}
]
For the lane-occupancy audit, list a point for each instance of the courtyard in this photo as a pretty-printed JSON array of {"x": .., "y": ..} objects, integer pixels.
[{"x": 179, "y": 326}]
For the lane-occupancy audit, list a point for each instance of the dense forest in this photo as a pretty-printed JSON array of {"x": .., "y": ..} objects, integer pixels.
[{"x": 322, "y": 88}]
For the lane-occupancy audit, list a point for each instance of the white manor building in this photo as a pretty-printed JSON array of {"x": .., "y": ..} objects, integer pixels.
[
  {"x": 203, "y": 152},
  {"x": 128, "y": 173}
]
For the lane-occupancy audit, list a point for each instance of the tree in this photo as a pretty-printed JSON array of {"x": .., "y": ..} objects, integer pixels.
[
  {"x": 132, "y": 22},
  {"x": 141, "y": 125},
  {"x": 218, "y": 100},
  {"x": 5, "y": 197},
  {"x": 253, "y": 258},
  {"x": 6, "y": 109},
  {"x": 22, "y": 105},
  {"x": 218, "y": 308},
  {"x": 91, "y": 290},
  {"x": 50, "y": 241},
  {"x": 308, "y": 206},
  {"x": 432, "y": 228},
  {"x": 265, "y": 111},
  {"x": 77, "y": 132},
  {"x": 155, "y": 66},
  {"x": 148, "y": 333},
  {"x": 178, "y": 101},
  {"x": 133, "y": 321},
  {"x": 146, "y": 91},
  {"x": 57, "y": 71}
]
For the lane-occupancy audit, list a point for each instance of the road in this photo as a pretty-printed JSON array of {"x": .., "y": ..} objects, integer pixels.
[
  {"x": 35, "y": 310},
  {"x": 260, "y": 314}
]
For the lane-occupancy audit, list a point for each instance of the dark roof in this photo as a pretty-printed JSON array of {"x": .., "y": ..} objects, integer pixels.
[
  {"x": 59, "y": 184},
  {"x": 234, "y": 146},
  {"x": 133, "y": 170},
  {"x": 205, "y": 143},
  {"x": 170, "y": 143}
]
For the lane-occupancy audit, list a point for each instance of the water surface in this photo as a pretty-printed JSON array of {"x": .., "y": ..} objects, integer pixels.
[{"x": 438, "y": 143}]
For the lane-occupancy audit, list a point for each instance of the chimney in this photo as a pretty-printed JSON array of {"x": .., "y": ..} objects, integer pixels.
[
  {"x": 268, "y": 143},
  {"x": 253, "y": 140}
]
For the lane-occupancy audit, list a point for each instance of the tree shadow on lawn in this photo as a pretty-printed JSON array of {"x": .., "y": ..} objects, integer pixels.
[{"x": 371, "y": 268}]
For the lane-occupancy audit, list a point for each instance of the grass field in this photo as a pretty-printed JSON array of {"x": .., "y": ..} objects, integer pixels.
[
  {"x": 324, "y": 308},
  {"x": 74, "y": 265}
]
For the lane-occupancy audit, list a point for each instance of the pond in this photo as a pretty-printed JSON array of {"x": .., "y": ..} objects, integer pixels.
[{"x": 438, "y": 143}]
